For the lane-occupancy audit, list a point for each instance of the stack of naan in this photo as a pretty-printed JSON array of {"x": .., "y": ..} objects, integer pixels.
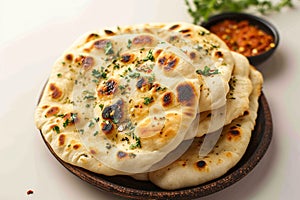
[{"x": 151, "y": 101}]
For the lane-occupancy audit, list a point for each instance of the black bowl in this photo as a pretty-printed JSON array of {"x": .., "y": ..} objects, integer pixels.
[{"x": 253, "y": 20}]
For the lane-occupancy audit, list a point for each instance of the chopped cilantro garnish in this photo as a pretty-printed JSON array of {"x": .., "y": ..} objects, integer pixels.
[
  {"x": 134, "y": 75},
  {"x": 59, "y": 75},
  {"x": 66, "y": 123},
  {"x": 207, "y": 71},
  {"x": 89, "y": 97},
  {"x": 116, "y": 66},
  {"x": 148, "y": 100},
  {"x": 60, "y": 115},
  {"x": 108, "y": 48},
  {"x": 101, "y": 106},
  {"x": 137, "y": 143},
  {"x": 129, "y": 44},
  {"x": 149, "y": 56},
  {"x": 96, "y": 133},
  {"x": 99, "y": 74},
  {"x": 56, "y": 129},
  {"x": 74, "y": 117},
  {"x": 91, "y": 124}
]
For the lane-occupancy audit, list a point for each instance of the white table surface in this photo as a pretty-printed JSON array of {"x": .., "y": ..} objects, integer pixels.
[{"x": 34, "y": 33}]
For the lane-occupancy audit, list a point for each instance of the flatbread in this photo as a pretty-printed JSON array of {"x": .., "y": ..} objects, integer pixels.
[
  {"x": 230, "y": 148},
  {"x": 131, "y": 104},
  {"x": 204, "y": 49},
  {"x": 121, "y": 101},
  {"x": 237, "y": 99}
]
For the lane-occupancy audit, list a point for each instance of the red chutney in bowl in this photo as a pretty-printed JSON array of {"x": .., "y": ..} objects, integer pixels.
[{"x": 242, "y": 37}]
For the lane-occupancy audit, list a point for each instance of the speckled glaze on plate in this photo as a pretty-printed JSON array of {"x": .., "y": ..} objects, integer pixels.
[{"x": 130, "y": 188}]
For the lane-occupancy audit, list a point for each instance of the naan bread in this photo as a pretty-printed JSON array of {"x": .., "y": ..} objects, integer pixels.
[
  {"x": 230, "y": 148},
  {"x": 205, "y": 50},
  {"x": 121, "y": 101},
  {"x": 132, "y": 105},
  {"x": 237, "y": 99}
]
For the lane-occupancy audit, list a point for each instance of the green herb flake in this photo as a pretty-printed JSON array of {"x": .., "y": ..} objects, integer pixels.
[
  {"x": 108, "y": 48},
  {"x": 89, "y": 97},
  {"x": 66, "y": 123},
  {"x": 129, "y": 43},
  {"x": 56, "y": 129},
  {"x": 60, "y": 115},
  {"x": 59, "y": 75},
  {"x": 137, "y": 143},
  {"x": 101, "y": 106},
  {"x": 108, "y": 146},
  {"x": 91, "y": 124},
  {"x": 99, "y": 74},
  {"x": 74, "y": 117},
  {"x": 134, "y": 75},
  {"x": 149, "y": 56},
  {"x": 96, "y": 133},
  {"x": 148, "y": 100},
  {"x": 116, "y": 66},
  {"x": 207, "y": 71}
]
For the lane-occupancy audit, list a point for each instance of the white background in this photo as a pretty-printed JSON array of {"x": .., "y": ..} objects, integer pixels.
[{"x": 33, "y": 33}]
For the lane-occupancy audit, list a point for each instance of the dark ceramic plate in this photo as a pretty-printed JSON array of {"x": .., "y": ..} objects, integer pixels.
[
  {"x": 253, "y": 20},
  {"x": 130, "y": 188}
]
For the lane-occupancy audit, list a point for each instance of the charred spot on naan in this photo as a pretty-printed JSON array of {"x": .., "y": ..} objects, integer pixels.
[
  {"x": 219, "y": 54},
  {"x": 93, "y": 152},
  {"x": 122, "y": 155},
  {"x": 91, "y": 37},
  {"x": 114, "y": 112},
  {"x": 76, "y": 146},
  {"x": 56, "y": 93},
  {"x": 100, "y": 44},
  {"x": 109, "y": 32},
  {"x": 143, "y": 84},
  {"x": 186, "y": 94},
  {"x": 127, "y": 58},
  {"x": 109, "y": 88},
  {"x": 79, "y": 59},
  {"x": 61, "y": 140},
  {"x": 185, "y": 31},
  {"x": 167, "y": 99},
  {"x": 52, "y": 111},
  {"x": 107, "y": 127},
  {"x": 69, "y": 57},
  {"x": 143, "y": 40},
  {"x": 88, "y": 62},
  {"x": 192, "y": 55},
  {"x": 157, "y": 53},
  {"x": 45, "y": 106},
  {"x": 246, "y": 113},
  {"x": 233, "y": 134},
  {"x": 175, "y": 26},
  {"x": 201, "y": 165},
  {"x": 168, "y": 62}
]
